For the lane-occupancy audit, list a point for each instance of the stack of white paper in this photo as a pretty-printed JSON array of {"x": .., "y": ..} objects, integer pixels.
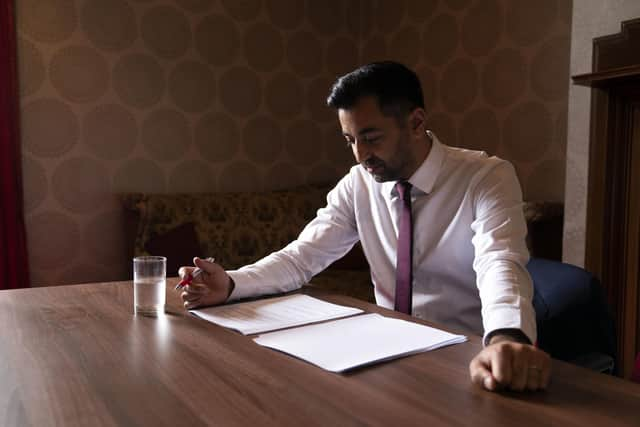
[
  {"x": 274, "y": 313},
  {"x": 347, "y": 343}
]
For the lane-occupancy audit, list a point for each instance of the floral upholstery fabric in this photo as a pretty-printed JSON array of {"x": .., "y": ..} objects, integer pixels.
[{"x": 236, "y": 228}]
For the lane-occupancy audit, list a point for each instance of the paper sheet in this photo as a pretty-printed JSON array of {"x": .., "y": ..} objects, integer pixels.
[
  {"x": 274, "y": 313},
  {"x": 347, "y": 343}
]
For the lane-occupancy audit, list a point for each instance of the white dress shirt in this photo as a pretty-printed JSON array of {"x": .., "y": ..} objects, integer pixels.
[{"x": 469, "y": 251}]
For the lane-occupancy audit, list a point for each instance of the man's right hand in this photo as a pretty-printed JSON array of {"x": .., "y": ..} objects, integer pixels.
[{"x": 212, "y": 287}]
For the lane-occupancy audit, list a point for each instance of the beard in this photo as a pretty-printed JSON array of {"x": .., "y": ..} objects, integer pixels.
[
  {"x": 395, "y": 167},
  {"x": 380, "y": 170}
]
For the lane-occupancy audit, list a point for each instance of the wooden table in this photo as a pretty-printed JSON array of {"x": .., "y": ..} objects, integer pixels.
[{"x": 77, "y": 356}]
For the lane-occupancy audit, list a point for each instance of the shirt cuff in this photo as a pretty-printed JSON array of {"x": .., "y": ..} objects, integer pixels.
[
  {"x": 516, "y": 335},
  {"x": 521, "y": 318},
  {"x": 243, "y": 287}
]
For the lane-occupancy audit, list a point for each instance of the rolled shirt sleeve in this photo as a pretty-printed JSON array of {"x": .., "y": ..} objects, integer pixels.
[
  {"x": 501, "y": 255},
  {"x": 329, "y": 236}
]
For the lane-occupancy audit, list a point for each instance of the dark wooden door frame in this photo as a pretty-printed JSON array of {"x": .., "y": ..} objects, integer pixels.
[{"x": 613, "y": 205}]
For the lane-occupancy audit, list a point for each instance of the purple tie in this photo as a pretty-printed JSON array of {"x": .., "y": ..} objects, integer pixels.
[{"x": 404, "y": 274}]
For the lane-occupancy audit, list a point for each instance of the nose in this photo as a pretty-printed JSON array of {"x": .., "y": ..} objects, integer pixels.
[{"x": 360, "y": 151}]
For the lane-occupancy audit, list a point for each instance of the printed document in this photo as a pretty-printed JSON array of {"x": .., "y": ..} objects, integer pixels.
[
  {"x": 274, "y": 313},
  {"x": 343, "y": 344}
]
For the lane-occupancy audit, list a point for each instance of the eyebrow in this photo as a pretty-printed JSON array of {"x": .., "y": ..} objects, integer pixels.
[{"x": 365, "y": 131}]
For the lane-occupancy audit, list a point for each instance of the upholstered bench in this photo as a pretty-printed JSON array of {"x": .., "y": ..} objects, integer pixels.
[{"x": 236, "y": 229}]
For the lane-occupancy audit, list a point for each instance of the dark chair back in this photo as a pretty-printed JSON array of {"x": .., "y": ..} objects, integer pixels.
[{"x": 574, "y": 323}]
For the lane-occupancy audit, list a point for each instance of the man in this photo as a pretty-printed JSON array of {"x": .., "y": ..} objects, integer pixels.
[{"x": 442, "y": 229}]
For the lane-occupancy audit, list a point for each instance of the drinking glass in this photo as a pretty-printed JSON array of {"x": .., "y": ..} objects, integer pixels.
[{"x": 149, "y": 282}]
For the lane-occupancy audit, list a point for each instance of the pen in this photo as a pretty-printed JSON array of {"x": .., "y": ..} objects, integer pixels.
[{"x": 195, "y": 273}]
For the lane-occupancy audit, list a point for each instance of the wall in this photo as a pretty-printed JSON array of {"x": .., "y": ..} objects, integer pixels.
[
  {"x": 495, "y": 75},
  {"x": 227, "y": 95},
  {"x": 157, "y": 96},
  {"x": 591, "y": 19}
]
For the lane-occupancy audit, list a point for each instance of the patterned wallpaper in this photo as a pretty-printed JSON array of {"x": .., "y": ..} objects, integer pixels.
[{"x": 228, "y": 95}]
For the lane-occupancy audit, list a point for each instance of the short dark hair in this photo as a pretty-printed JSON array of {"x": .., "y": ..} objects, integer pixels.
[{"x": 396, "y": 88}]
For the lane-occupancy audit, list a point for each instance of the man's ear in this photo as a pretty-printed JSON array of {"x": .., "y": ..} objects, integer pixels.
[{"x": 418, "y": 121}]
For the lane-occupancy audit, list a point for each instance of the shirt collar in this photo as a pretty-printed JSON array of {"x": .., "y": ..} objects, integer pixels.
[{"x": 424, "y": 178}]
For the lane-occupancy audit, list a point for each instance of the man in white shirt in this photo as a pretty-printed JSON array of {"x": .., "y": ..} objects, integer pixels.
[{"x": 466, "y": 260}]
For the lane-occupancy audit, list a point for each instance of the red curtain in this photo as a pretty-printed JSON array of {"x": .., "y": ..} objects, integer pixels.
[{"x": 14, "y": 269}]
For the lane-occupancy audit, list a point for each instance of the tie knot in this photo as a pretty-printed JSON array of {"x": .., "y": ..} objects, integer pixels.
[{"x": 404, "y": 189}]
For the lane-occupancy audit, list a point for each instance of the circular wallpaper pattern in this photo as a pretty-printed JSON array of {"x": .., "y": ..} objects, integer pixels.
[
  {"x": 326, "y": 17},
  {"x": 139, "y": 175},
  {"x": 48, "y": 21},
  {"x": 305, "y": 53},
  {"x": 482, "y": 27},
  {"x": 316, "y": 99},
  {"x": 419, "y": 11},
  {"x": 192, "y": 86},
  {"x": 245, "y": 82},
  {"x": 80, "y": 184},
  {"x": 389, "y": 14},
  {"x": 444, "y": 128},
  {"x": 138, "y": 80},
  {"x": 457, "y": 4},
  {"x": 461, "y": 82},
  {"x": 338, "y": 153},
  {"x": 53, "y": 240},
  {"x": 405, "y": 46},
  {"x": 30, "y": 67},
  {"x": 303, "y": 142},
  {"x": 283, "y": 176},
  {"x": 285, "y": 14},
  {"x": 528, "y": 129},
  {"x": 166, "y": 31},
  {"x": 217, "y": 137},
  {"x": 545, "y": 172},
  {"x": 528, "y": 22},
  {"x": 34, "y": 183},
  {"x": 240, "y": 91},
  {"x": 165, "y": 134},
  {"x": 110, "y": 131},
  {"x": 428, "y": 81},
  {"x": 440, "y": 39},
  {"x": 342, "y": 56},
  {"x": 375, "y": 49},
  {"x": 243, "y": 10},
  {"x": 324, "y": 173},
  {"x": 49, "y": 127},
  {"x": 99, "y": 239},
  {"x": 262, "y": 139},
  {"x": 551, "y": 58},
  {"x": 263, "y": 47},
  {"x": 217, "y": 39},
  {"x": 284, "y": 95},
  {"x": 192, "y": 176},
  {"x": 109, "y": 25},
  {"x": 195, "y": 6},
  {"x": 240, "y": 176},
  {"x": 504, "y": 78},
  {"x": 79, "y": 73},
  {"x": 480, "y": 130}
]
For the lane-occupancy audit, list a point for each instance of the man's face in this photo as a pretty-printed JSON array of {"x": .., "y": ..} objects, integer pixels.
[{"x": 380, "y": 143}]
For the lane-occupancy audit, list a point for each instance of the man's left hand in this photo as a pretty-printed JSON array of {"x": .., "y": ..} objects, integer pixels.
[{"x": 512, "y": 365}]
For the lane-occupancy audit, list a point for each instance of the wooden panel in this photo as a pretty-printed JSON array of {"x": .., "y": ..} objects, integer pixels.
[
  {"x": 617, "y": 50},
  {"x": 633, "y": 246},
  {"x": 613, "y": 214},
  {"x": 77, "y": 356}
]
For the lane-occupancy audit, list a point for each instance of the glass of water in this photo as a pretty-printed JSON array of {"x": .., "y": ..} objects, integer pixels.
[{"x": 149, "y": 282}]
